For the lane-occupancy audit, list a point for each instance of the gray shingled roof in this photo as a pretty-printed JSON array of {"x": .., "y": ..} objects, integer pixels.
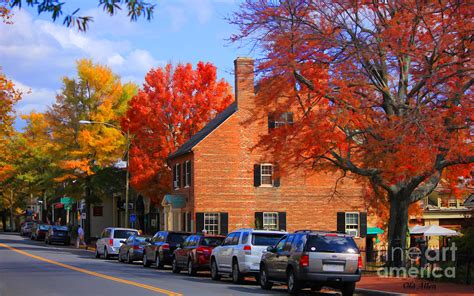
[{"x": 206, "y": 130}]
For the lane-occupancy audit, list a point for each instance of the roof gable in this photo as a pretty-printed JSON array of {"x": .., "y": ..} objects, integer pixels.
[{"x": 205, "y": 131}]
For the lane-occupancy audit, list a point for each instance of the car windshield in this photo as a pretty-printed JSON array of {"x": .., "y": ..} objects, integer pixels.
[
  {"x": 177, "y": 238},
  {"x": 265, "y": 239},
  {"x": 120, "y": 233},
  {"x": 212, "y": 241},
  {"x": 141, "y": 239},
  {"x": 331, "y": 244},
  {"x": 61, "y": 228},
  {"x": 44, "y": 227}
]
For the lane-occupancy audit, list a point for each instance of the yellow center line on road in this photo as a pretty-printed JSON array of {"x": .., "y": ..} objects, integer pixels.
[{"x": 96, "y": 274}]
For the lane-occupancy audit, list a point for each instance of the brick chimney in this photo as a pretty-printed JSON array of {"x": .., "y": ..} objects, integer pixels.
[{"x": 244, "y": 83}]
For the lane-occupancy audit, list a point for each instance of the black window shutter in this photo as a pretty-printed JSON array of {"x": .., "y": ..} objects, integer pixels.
[
  {"x": 258, "y": 220},
  {"x": 271, "y": 121},
  {"x": 183, "y": 174},
  {"x": 341, "y": 221},
  {"x": 256, "y": 175},
  {"x": 189, "y": 175},
  {"x": 276, "y": 176},
  {"x": 363, "y": 224},
  {"x": 199, "y": 222},
  {"x": 178, "y": 175},
  {"x": 174, "y": 175},
  {"x": 224, "y": 223},
  {"x": 282, "y": 220}
]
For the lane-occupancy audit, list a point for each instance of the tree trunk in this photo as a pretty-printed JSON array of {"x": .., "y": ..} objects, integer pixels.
[
  {"x": 12, "y": 222},
  {"x": 87, "y": 224},
  {"x": 397, "y": 229}
]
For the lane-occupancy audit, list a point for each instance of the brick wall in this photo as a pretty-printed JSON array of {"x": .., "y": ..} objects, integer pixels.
[{"x": 223, "y": 174}]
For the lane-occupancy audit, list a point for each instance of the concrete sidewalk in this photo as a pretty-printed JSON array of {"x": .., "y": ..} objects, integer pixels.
[{"x": 411, "y": 286}]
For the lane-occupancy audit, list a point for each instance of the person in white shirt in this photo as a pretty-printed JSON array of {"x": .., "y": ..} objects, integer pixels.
[{"x": 80, "y": 237}]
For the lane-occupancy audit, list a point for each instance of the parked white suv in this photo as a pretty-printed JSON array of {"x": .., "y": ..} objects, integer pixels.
[
  {"x": 109, "y": 242},
  {"x": 241, "y": 252}
]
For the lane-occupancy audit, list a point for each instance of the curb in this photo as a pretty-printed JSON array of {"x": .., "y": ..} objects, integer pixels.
[{"x": 379, "y": 292}]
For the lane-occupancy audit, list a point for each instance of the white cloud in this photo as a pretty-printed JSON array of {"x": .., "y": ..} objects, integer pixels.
[
  {"x": 38, "y": 53},
  {"x": 34, "y": 99}
]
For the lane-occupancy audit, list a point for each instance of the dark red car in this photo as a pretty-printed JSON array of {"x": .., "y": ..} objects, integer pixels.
[{"x": 195, "y": 253}]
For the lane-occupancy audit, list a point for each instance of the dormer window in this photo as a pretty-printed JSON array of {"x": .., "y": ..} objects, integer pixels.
[{"x": 277, "y": 120}]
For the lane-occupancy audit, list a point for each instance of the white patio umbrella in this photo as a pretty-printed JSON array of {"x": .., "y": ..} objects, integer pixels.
[{"x": 432, "y": 230}]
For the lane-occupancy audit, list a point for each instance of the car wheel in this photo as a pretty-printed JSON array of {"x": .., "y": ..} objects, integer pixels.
[
  {"x": 348, "y": 289},
  {"x": 146, "y": 263},
  {"x": 175, "y": 267},
  {"x": 191, "y": 269},
  {"x": 237, "y": 277},
  {"x": 214, "y": 271},
  {"x": 97, "y": 255},
  {"x": 129, "y": 259},
  {"x": 264, "y": 281},
  {"x": 119, "y": 257},
  {"x": 106, "y": 253},
  {"x": 294, "y": 286},
  {"x": 159, "y": 264}
]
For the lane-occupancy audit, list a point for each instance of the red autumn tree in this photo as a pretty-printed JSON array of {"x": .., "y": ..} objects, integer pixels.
[
  {"x": 381, "y": 90},
  {"x": 174, "y": 103}
]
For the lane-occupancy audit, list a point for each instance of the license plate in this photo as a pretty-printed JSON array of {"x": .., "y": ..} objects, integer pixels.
[{"x": 333, "y": 267}]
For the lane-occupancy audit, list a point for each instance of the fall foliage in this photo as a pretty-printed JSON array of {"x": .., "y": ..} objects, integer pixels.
[
  {"x": 96, "y": 95},
  {"x": 381, "y": 91},
  {"x": 174, "y": 103}
]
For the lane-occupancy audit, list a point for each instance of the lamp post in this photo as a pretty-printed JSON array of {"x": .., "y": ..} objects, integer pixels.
[{"x": 127, "y": 159}]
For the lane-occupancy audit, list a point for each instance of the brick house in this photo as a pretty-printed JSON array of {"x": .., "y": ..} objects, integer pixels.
[{"x": 220, "y": 184}]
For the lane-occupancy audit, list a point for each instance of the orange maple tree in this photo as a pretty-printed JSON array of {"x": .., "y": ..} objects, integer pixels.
[
  {"x": 381, "y": 90},
  {"x": 174, "y": 103}
]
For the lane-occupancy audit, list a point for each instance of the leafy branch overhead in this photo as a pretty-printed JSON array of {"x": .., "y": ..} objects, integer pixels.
[{"x": 135, "y": 9}]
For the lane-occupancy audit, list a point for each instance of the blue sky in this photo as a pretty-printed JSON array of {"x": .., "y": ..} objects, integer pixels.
[{"x": 36, "y": 53}]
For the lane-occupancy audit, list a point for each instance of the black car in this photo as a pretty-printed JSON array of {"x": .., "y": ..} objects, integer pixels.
[
  {"x": 161, "y": 246},
  {"x": 132, "y": 248},
  {"x": 58, "y": 234},
  {"x": 38, "y": 231}
]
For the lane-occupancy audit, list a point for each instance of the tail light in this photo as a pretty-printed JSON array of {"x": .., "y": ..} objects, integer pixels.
[
  {"x": 248, "y": 250},
  {"x": 202, "y": 250},
  {"x": 359, "y": 263},
  {"x": 165, "y": 247},
  {"x": 304, "y": 260},
  {"x": 331, "y": 234},
  {"x": 136, "y": 247},
  {"x": 111, "y": 242}
]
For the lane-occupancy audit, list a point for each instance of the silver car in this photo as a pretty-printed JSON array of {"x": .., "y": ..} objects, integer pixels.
[
  {"x": 312, "y": 259},
  {"x": 241, "y": 252},
  {"x": 109, "y": 242}
]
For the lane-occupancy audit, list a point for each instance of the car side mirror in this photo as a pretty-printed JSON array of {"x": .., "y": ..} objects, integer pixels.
[
  {"x": 122, "y": 241},
  {"x": 178, "y": 246},
  {"x": 148, "y": 240},
  {"x": 271, "y": 249}
]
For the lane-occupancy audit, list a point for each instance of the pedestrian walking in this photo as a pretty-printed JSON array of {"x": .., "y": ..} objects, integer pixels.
[{"x": 80, "y": 237}]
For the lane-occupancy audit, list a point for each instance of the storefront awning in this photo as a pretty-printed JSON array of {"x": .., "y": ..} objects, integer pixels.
[
  {"x": 374, "y": 230},
  {"x": 176, "y": 201}
]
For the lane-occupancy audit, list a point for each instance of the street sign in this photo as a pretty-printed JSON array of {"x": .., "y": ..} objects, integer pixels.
[
  {"x": 133, "y": 218},
  {"x": 83, "y": 216},
  {"x": 67, "y": 200}
]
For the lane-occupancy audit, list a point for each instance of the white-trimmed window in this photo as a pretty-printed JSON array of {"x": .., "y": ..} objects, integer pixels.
[
  {"x": 352, "y": 224},
  {"x": 176, "y": 177},
  {"x": 187, "y": 173},
  {"x": 270, "y": 220},
  {"x": 277, "y": 120},
  {"x": 266, "y": 175},
  {"x": 211, "y": 223},
  {"x": 452, "y": 203}
]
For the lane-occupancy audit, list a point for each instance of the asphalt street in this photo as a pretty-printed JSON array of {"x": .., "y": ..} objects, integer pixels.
[{"x": 33, "y": 268}]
